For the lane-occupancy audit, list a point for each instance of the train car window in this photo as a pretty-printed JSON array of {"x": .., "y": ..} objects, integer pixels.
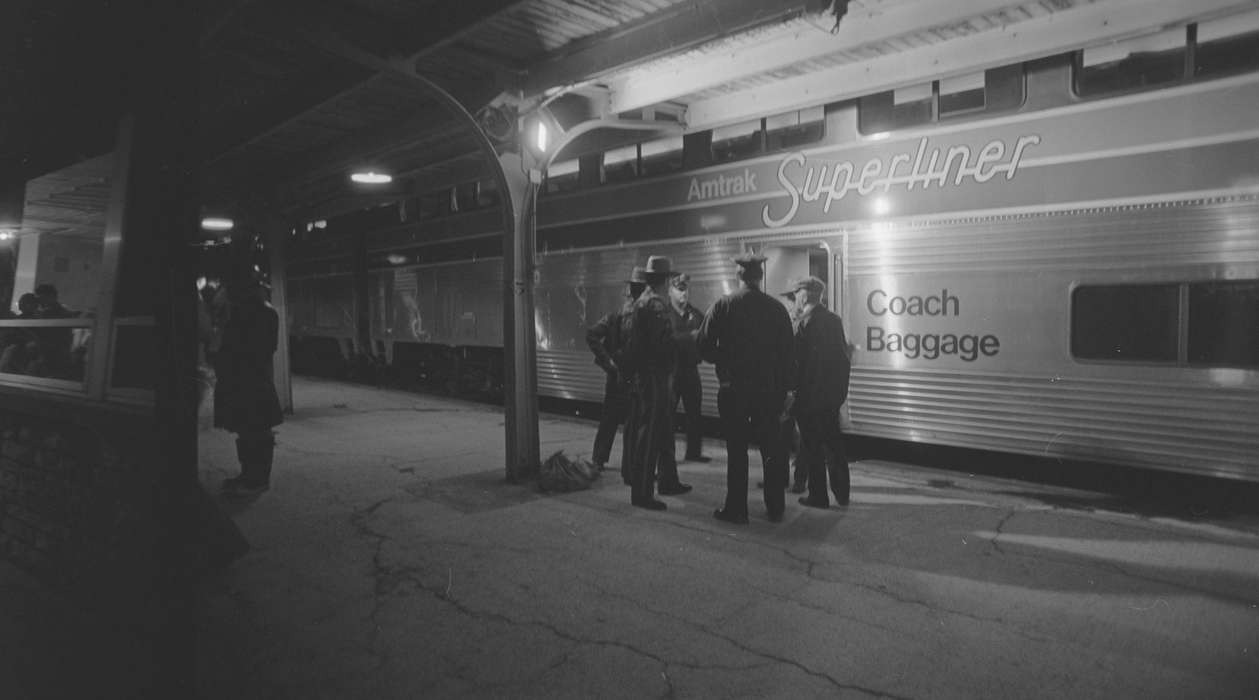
[
  {"x": 737, "y": 141},
  {"x": 562, "y": 177},
  {"x": 794, "y": 129},
  {"x": 662, "y": 155},
  {"x": 1125, "y": 323},
  {"x": 429, "y": 205},
  {"x": 1226, "y": 46},
  {"x": 896, "y": 109},
  {"x": 1143, "y": 62},
  {"x": 620, "y": 164},
  {"x": 964, "y": 93},
  {"x": 1224, "y": 323},
  {"x": 465, "y": 196},
  {"x": 487, "y": 193}
]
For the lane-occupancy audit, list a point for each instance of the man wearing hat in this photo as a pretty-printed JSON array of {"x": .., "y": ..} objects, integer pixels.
[
  {"x": 819, "y": 387},
  {"x": 650, "y": 357},
  {"x": 747, "y": 334},
  {"x": 604, "y": 340}
]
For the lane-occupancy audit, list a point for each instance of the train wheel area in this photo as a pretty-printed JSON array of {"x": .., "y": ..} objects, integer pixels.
[{"x": 390, "y": 534}]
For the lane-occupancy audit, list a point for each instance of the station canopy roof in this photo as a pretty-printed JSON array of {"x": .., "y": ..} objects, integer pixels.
[{"x": 294, "y": 95}]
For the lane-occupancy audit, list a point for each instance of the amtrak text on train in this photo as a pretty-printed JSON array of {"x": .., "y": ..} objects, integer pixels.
[
  {"x": 721, "y": 186},
  {"x": 806, "y": 180}
]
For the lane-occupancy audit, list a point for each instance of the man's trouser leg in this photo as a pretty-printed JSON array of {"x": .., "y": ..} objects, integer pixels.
[
  {"x": 630, "y": 436},
  {"x": 813, "y": 438},
  {"x": 765, "y": 427},
  {"x": 837, "y": 466},
  {"x": 690, "y": 391},
  {"x": 734, "y": 427},
  {"x": 654, "y": 429},
  {"x": 610, "y": 422}
]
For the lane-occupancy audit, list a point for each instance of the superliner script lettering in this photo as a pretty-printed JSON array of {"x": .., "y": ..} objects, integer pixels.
[{"x": 808, "y": 180}]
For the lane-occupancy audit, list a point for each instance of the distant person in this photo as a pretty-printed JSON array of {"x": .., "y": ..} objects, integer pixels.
[
  {"x": 604, "y": 340},
  {"x": 790, "y": 432},
  {"x": 819, "y": 386},
  {"x": 49, "y": 305},
  {"x": 245, "y": 400},
  {"x": 650, "y": 357},
  {"x": 747, "y": 334}
]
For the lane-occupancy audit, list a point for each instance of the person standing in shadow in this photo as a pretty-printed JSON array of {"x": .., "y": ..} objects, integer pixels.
[
  {"x": 650, "y": 357},
  {"x": 245, "y": 400}
]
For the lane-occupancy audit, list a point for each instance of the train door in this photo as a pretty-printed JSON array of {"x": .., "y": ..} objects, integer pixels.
[{"x": 787, "y": 263}]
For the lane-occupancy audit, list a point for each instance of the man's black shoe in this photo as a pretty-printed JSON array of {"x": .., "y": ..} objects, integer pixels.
[
  {"x": 650, "y": 504},
  {"x": 674, "y": 489},
  {"x": 804, "y": 501},
  {"x": 697, "y": 458},
  {"x": 721, "y": 514}
]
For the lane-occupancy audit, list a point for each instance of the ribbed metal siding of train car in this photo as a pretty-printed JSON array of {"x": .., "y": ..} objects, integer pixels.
[
  {"x": 576, "y": 288},
  {"x": 321, "y": 318},
  {"x": 965, "y": 336}
]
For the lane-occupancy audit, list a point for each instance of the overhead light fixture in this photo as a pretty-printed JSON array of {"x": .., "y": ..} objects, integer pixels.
[
  {"x": 217, "y": 223},
  {"x": 371, "y": 177},
  {"x": 7, "y": 233}
]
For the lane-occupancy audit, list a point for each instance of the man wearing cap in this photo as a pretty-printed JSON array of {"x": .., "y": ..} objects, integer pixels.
[
  {"x": 819, "y": 387},
  {"x": 604, "y": 340},
  {"x": 686, "y": 385},
  {"x": 747, "y": 334},
  {"x": 650, "y": 357}
]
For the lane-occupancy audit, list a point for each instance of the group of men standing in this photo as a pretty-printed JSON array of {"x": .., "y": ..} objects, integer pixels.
[{"x": 769, "y": 370}]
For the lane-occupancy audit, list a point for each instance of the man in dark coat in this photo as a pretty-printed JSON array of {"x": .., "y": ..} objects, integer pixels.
[
  {"x": 747, "y": 334},
  {"x": 245, "y": 400},
  {"x": 819, "y": 387},
  {"x": 604, "y": 340},
  {"x": 650, "y": 357}
]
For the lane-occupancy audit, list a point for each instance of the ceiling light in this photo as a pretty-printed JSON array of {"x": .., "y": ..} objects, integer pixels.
[
  {"x": 215, "y": 223},
  {"x": 371, "y": 177}
]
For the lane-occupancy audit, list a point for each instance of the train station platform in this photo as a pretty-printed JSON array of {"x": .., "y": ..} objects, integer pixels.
[{"x": 391, "y": 560}]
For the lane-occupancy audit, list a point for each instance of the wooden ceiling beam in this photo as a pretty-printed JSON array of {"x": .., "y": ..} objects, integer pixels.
[{"x": 682, "y": 27}]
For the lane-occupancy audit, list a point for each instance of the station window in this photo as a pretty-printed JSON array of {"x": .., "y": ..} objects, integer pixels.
[
  {"x": 1133, "y": 64},
  {"x": 620, "y": 164},
  {"x": 1224, "y": 324},
  {"x": 661, "y": 155},
  {"x": 737, "y": 141},
  {"x": 1133, "y": 323},
  {"x": 794, "y": 129},
  {"x": 562, "y": 177},
  {"x": 1226, "y": 46},
  {"x": 51, "y": 264}
]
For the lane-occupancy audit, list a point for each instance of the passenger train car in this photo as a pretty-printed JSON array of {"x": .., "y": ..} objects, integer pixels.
[{"x": 1058, "y": 258}]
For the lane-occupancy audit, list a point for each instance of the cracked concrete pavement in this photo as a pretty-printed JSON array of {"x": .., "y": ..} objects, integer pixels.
[{"x": 391, "y": 560}]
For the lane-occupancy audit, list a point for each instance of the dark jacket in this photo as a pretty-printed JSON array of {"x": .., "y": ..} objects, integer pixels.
[
  {"x": 648, "y": 337},
  {"x": 244, "y": 394},
  {"x": 604, "y": 339},
  {"x": 822, "y": 368},
  {"x": 747, "y": 334}
]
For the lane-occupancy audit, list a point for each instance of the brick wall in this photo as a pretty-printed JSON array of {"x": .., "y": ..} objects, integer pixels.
[{"x": 77, "y": 492}]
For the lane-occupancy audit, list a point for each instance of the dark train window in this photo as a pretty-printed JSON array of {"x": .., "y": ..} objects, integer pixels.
[
  {"x": 1228, "y": 45},
  {"x": 1143, "y": 62},
  {"x": 1132, "y": 323},
  {"x": 562, "y": 177},
  {"x": 661, "y": 156},
  {"x": 794, "y": 129},
  {"x": 896, "y": 109},
  {"x": 487, "y": 193},
  {"x": 964, "y": 93},
  {"x": 736, "y": 141},
  {"x": 620, "y": 164},
  {"x": 1224, "y": 323}
]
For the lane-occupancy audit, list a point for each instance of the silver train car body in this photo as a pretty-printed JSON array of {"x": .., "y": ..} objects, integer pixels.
[{"x": 969, "y": 241}]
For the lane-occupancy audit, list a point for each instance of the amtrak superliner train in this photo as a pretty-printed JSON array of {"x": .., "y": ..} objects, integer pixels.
[{"x": 1057, "y": 258}]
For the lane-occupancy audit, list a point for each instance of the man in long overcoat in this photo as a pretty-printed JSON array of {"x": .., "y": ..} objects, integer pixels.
[
  {"x": 747, "y": 334},
  {"x": 245, "y": 400},
  {"x": 650, "y": 357},
  {"x": 819, "y": 387}
]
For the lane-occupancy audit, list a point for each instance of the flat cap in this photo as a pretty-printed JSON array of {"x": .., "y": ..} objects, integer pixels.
[
  {"x": 748, "y": 259},
  {"x": 680, "y": 280},
  {"x": 810, "y": 284}
]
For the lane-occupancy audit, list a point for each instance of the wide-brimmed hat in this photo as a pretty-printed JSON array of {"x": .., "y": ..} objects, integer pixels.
[
  {"x": 809, "y": 284},
  {"x": 637, "y": 276},
  {"x": 658, "y": 265}
]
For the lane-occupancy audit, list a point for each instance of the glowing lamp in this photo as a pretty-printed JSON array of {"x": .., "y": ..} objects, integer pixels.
[
  {"x": 215, "y": 223},
  {"x": 371, "y": 177}
]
